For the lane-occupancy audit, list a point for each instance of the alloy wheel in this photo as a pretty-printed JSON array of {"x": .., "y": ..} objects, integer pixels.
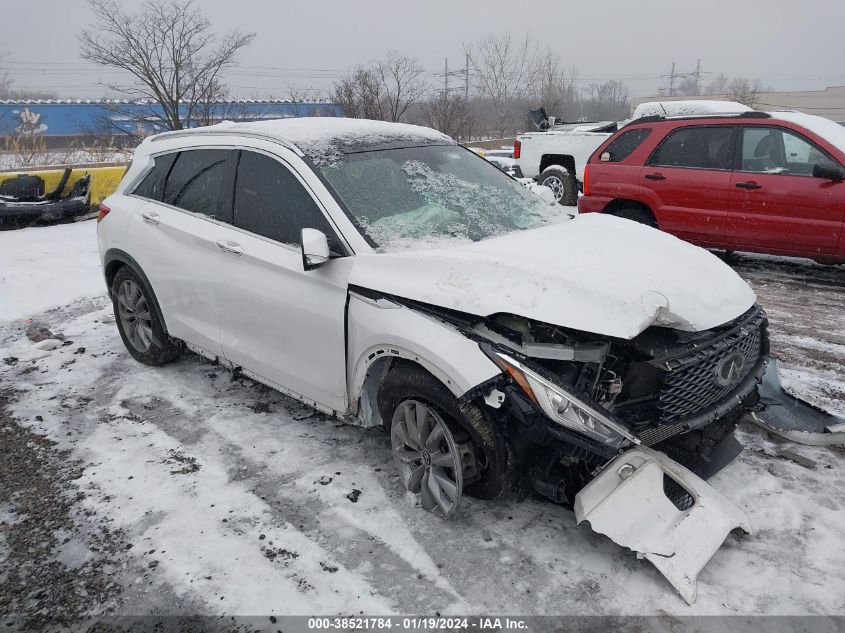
[
  {"x": 427, "y": 456},
  {"x": 556, "y": 185},
  {"x": 135, "y": 316}
]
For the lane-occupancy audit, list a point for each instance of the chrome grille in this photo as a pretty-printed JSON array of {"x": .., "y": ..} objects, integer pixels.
[{"x": 699, "y": 379}]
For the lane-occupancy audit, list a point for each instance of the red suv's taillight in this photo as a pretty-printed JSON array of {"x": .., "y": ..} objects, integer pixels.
[
  {"x": 587, "y": 179},
  {"x": 104, "y": 211},
  {"x": 517, "y": 148}
]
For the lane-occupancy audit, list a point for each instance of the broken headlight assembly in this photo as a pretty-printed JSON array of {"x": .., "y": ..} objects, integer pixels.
[{"x": 560, "y": 405}]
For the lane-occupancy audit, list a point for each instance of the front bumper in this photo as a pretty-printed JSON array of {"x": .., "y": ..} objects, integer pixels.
[
  {"x": 628, "y": 502},
  {"x": 592, "y": 204},
  {"x": 48, "y": 210},
  {"x": 783, "y": 414}
]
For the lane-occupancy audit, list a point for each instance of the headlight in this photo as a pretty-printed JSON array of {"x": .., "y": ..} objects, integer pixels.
[{"x": 561, "y": 406}]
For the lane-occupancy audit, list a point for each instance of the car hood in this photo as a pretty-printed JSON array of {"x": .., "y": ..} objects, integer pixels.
[{"x": 594, "y": 273}]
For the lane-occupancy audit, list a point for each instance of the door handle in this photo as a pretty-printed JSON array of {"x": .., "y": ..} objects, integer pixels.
[
  {"x": 150, "y": 216},
  {"x": 655, "y": 176},
  {"x": 232, "y": 248},
  {"x": 749, "y": 185}
]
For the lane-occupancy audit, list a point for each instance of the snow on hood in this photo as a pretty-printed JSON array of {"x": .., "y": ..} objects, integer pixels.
[{"x": 595, "y": 273}]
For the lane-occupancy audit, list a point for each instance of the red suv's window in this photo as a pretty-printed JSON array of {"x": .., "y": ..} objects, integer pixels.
[
  {"x": 623, "y": 145},
  {"x": 774, "y": 150},
  {"x": 702, "y": 147}
]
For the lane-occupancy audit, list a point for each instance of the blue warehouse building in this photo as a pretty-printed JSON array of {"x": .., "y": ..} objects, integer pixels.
[{"x": 63, "y": 122}]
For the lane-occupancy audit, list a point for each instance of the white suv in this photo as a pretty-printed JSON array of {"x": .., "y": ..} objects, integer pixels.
[{"x": 387, "y": 276}]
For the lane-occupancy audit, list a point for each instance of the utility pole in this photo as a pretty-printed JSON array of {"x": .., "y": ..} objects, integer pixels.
[
  {"x": 698, "y": 77},
  {"x": 466, "y": 79},
  {"x": 446, "y": 80},
  {"x": 672, "y": 81}
]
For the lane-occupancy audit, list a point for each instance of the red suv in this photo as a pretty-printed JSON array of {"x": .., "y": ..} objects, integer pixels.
[{"x": 768, "y": 183}]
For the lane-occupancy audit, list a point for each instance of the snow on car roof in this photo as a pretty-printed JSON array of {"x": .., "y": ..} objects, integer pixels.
[
  {"x": 829, "y": 130},
  {"x": 325, "y": 139},
  {"x": 692, "y": 106}
]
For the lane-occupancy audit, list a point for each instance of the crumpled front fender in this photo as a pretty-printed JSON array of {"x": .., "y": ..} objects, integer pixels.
[{"x": 627, "y": 503}]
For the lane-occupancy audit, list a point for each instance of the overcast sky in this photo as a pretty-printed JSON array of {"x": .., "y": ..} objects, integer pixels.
[{"x": 794, "y": 44}]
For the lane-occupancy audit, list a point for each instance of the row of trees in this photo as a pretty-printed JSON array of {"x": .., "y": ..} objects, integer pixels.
[
  {"x": 506, "y": 78},
  {"x": 741, "y": 89}
]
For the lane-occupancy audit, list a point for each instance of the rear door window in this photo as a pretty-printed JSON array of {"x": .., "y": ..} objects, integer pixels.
[
  {"x": 625, "y": 144},
  {"x": 152, "y": 186},
  {"x": 271, "y": 201},
  {"x": 701, "y": 147},
  {"x": 198, "y": 182}
]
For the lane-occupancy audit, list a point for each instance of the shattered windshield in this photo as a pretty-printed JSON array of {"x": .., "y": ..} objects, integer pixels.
[{"x": 424, "y": 196}]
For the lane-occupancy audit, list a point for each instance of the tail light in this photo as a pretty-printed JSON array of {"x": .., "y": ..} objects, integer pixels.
[
  {"x": 587, "y": 179},
  {"x": 104, "y": 211},
  {"x": 517, "y": 148}
]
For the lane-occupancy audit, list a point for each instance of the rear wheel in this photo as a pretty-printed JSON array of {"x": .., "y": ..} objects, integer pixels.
[
  {"x": 635, "y": 214},
  {"x": 138, "y": 321},
  {"x": 562, "y": 183}
]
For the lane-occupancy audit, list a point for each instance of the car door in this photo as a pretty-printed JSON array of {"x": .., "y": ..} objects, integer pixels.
[
  {"x": 690, "y": 173},
  {"x": 776, "y": 203},
  {"x": 278, "y": 320},
  {"x": 176, "y": 234}
]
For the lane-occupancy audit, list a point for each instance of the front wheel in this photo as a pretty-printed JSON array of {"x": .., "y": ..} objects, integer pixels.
[
  {"x": 488, "y": 466},
  {"x": 428, "y": 456}
]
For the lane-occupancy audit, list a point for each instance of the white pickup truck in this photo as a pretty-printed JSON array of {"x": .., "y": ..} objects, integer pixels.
[{"x": 556, "y": 157}]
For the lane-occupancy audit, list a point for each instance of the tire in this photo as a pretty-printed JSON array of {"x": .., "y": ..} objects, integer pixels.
[
  {"x": 495, "y": 464},
  {"x": 144, "y": 337},
  {"x": 635, "y": 214},
  {"x": 562, "y": 183}
]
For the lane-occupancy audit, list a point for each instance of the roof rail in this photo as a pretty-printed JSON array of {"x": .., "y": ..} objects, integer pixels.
[
  {"x": 654, "y": 118},
  {"x": 163, "y": 136}
]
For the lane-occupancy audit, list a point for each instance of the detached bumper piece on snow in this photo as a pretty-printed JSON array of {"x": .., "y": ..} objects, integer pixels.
[
  {"x": 645, "y": 501},
  {"x": 792, "y": 418},
  {"x": 23, "y": 198}
]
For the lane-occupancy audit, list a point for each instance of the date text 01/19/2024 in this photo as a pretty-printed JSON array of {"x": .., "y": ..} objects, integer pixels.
[{"x": 417, "y": 623}]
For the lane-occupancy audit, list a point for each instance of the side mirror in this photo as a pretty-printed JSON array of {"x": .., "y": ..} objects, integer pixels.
[
  {"x": 606, "y": 157},
  {"x": 315, "y": 248},
  {"x": 829, "y": 170}
]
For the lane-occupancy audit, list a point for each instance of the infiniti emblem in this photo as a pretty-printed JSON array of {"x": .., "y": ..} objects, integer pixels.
[{"x": 729, "y": 371}]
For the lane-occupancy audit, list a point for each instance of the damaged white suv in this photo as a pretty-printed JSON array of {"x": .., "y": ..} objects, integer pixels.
[{"x": 385, "y": 275}]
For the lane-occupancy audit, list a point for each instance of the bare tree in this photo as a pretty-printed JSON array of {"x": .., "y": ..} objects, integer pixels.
[
  {"x": 504, "y": 70},
  {"x": 382, "y": 90},
  {"x": 555, "y": 87},
  {"x": 718, "y": 85},
  {"x": 359, "y": 94},
  {"x": 609, "y": 101},
  {"x": 452, "y": 115},
  {"x": 401, "y": 84},
  {"x": 745, "y": 91},
  {"x": 169, "y": 50}
]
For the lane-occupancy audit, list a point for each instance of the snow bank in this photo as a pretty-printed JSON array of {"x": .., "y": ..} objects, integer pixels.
[{"x": 63, "y": 259}]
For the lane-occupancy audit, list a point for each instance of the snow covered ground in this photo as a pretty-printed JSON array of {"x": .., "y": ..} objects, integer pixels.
[{"x": 221, "y": 496}]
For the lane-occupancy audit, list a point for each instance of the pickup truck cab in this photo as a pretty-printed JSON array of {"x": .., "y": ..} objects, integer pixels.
[{"x": 753, "y": 181}]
